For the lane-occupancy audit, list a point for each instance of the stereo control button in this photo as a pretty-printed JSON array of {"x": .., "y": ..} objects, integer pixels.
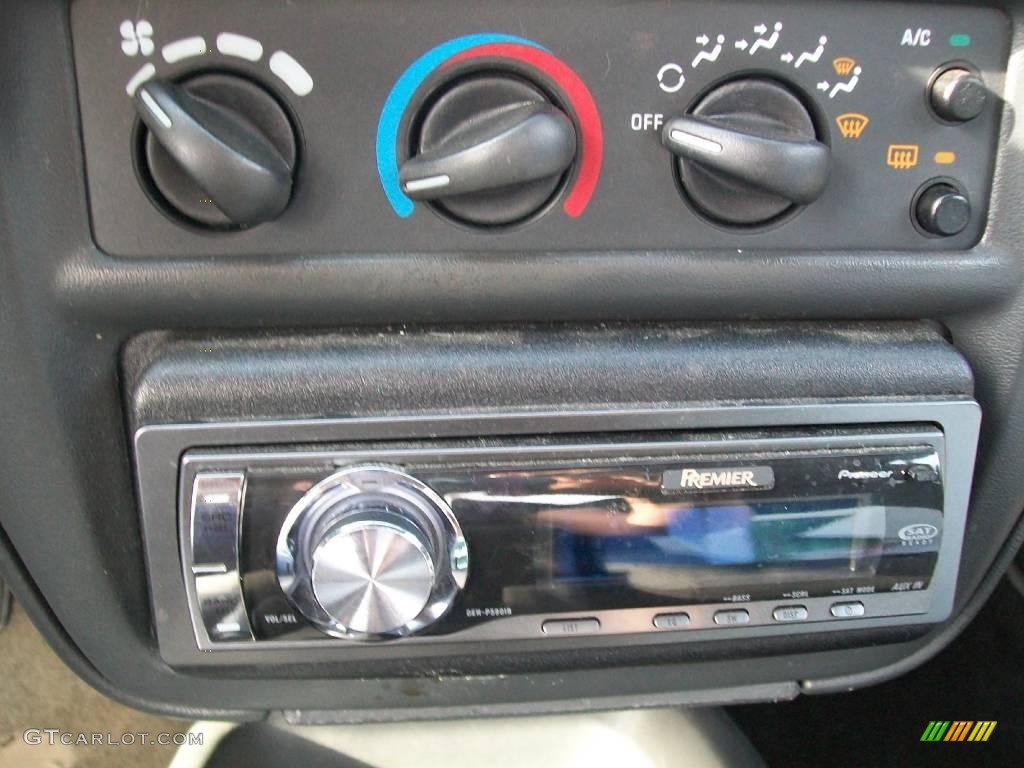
[
  {"x": 222, "y": 607},
  {"x": 571, "y": 626},
  {"x": 849, "y": 610},
  {"x": 732, "y": 618},
  {"x": 672, "y": 620},
  {"x": 923, "y": 473},
  {"x": 216, "y": 505},
  {"x": 373, "y": 577},
  {"x": 790, "y": 613}
]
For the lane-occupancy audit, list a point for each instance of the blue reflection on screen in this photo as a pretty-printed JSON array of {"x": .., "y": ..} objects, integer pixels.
[
  {"x": 716, "y": 535},
  {"x": 737, "y": 534}
]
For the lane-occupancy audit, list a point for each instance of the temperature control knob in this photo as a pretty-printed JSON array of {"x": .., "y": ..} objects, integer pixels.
[
  {"x": 371, "y": 553},
  {"x": 748, "y": 152},
  {"x": 219, "y": 150},
  {"x": 490, "y": 151}
]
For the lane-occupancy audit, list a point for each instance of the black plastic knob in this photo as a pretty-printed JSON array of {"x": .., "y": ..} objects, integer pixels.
[
  {"x": 958, "y": 95},
  {"x": 490, "y": 151},
  {"x": 219, "y": 150},
  {"x": 943, "y": 210},
  {"x": 748, "y": 153}
]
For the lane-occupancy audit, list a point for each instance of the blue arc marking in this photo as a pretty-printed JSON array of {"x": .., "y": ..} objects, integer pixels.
[{"x": 401, "y": 95}]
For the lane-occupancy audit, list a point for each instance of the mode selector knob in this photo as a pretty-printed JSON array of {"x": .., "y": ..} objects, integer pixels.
[
  {"x": 371, "y": 553},
  {"x": 748, "y": 152}
]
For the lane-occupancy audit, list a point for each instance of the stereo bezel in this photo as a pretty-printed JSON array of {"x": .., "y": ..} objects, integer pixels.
[{"x": 162, "y": 447}]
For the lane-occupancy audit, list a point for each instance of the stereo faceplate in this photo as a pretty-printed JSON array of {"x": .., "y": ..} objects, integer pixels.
[{"x": 640, "y": 536}]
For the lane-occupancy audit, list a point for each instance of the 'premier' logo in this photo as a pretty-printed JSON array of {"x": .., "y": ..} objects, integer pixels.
[
  {"x": 718, "y": 478},
  {"x": 729, "y": 478}
]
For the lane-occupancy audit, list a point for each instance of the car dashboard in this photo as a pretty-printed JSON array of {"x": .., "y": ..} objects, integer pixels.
[{"x": 390, "y": 361}]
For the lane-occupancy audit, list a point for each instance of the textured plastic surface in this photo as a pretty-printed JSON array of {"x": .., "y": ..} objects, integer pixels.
[
  {"x": 178, "y": 378},
  {"x": 697, "y": 738}
]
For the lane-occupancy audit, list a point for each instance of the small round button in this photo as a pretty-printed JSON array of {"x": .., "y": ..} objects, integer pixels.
[
  {"x": 958, "y": 95},
  {"x": 943, "y": 210}
]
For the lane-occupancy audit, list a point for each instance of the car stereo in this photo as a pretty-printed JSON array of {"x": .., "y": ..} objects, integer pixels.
[{"x": 671, "y": 533}]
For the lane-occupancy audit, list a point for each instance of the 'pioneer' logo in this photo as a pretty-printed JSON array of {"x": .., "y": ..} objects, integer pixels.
[
  {"x": 865, "y": 474},
  {"x": 718, "y": 478}
]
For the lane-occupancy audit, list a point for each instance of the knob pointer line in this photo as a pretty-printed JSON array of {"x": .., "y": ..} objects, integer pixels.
[{"x": 492, "y": 46}]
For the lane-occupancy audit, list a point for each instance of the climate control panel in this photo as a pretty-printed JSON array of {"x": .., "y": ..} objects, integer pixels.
[{"x": 355, "y": 128}]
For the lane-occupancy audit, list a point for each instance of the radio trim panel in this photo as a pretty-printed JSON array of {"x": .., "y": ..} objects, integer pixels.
[{"x": 160, "y": 448}]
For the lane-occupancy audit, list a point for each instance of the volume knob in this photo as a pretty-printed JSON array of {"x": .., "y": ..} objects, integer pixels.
[
  {"x": 372, "y": 576},
  {"x": 371, "y": 553}
]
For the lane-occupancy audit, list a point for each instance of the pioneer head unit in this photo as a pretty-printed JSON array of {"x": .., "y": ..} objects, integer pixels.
[{"x": 672, "y": 534}]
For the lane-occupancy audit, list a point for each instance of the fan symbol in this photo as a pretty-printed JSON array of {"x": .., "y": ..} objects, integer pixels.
[{"x": 136, "y": 38}]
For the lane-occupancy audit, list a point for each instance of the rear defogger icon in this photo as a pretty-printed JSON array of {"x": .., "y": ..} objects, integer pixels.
[{"x": 902, "y": 157}]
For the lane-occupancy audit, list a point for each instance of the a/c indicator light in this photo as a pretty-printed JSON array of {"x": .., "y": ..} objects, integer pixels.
[{"x": 959, "y": 40}]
